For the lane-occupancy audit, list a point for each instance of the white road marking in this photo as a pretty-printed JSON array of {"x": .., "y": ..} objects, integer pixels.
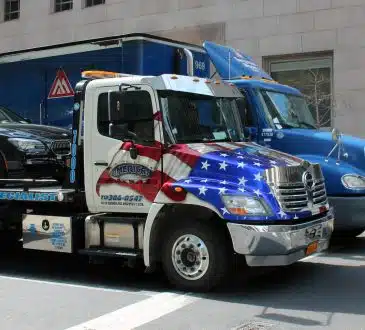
[
  {"x": 137, "y": 314},
  {"x": 80, "y": 286}
]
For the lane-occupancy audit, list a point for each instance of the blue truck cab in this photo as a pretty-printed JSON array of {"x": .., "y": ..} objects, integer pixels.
[{"x": 277, "y": 116}]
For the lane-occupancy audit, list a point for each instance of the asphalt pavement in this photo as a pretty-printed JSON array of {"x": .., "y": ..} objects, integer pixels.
[{"x": 322, "y": 292}]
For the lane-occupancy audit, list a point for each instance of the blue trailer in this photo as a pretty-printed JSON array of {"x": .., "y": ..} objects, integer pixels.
[
  {"x": 28, "y": 77},
  {"x": 38, "y": 83}
]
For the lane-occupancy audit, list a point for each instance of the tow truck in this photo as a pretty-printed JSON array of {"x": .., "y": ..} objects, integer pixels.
[{"x": 159, "y": 172}]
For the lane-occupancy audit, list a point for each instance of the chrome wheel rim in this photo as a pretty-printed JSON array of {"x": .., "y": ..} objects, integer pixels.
[{"x": 190, "y": 257}]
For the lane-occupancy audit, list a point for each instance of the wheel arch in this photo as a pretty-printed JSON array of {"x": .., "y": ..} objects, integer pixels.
[{"x": 159, "y": 220}]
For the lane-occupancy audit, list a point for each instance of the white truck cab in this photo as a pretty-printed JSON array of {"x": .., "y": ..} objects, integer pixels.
[{"x": 160, "y": 172}]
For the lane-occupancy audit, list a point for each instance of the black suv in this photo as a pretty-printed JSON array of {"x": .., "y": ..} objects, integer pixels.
[{"x": 31, "y": 151}]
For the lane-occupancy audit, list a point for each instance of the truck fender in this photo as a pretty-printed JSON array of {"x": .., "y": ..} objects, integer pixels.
[
  {"x": 158, "y": 213},
  {"x": 151, "y": 217},
  {"x": 333, "y": 173}
]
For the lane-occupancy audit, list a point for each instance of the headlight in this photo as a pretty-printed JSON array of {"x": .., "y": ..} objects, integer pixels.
[
  {"x": 353, "y": 181},
  {"x": 27, "y": 145},
  {"x": 245, "y": 205}
]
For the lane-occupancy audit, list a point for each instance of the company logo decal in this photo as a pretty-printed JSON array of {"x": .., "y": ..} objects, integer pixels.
[
  {"x": 28, "y": 196},
  {"x": 131, "y": 172}
]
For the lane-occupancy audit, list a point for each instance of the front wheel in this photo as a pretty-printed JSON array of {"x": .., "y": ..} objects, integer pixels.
[{"x": 196, "y": 256}]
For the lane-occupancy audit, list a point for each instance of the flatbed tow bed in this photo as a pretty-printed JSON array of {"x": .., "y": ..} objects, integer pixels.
[{"x": 35, "y": 190}]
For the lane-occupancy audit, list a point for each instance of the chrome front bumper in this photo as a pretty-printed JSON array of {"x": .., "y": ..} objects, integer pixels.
[{"x": 279, "y": 245}]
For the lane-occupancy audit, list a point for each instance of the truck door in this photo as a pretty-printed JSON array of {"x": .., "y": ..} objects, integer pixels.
[{"x": 125, "y": 150}]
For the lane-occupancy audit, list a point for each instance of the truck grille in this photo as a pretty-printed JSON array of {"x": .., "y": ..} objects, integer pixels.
[
  {"x": 297, "y": 197},
  {"x": 298, "y": 188},
  {"x": 61, "y": 147}
]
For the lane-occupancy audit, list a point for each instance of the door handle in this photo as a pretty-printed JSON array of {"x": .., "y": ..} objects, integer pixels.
[{"x": 100, "y": 163}]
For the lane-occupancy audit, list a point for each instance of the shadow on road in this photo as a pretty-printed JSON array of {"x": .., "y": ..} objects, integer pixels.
[
  {"x": 308, "y": 286},
  {"x": 315, "y": 286}
]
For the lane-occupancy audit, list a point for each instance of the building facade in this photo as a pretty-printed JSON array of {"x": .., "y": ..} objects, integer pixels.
[{"x": 315, "y": 45}]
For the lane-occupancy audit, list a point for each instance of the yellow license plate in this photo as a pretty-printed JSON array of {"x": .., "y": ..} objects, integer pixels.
[{"x": 311, "y": 248}]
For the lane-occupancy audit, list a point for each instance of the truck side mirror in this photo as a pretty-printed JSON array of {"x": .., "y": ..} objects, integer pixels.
[
  {"x": 250, "y": 132},
  {"x": 336, "y": 135},
  {"x": 121, "y": 131}
]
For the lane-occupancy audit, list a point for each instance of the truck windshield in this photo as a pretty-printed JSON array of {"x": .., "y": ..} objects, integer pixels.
[
  {"x": 286, "y": 110},
  {"x": 194, "y": 118}
]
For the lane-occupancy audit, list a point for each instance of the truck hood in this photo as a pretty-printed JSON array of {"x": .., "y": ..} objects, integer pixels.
[
  {"x": 208, "y": 171},
  {"x": 229, "y": 161},
  {"x": 314, "y": 146},
  {"x": 231, "y": 63},
  {"x": 32, "y": 131},
  {"x": 320, "y": 143}
]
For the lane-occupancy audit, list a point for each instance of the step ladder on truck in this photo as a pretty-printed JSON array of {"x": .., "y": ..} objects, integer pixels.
[{"x": 158, "y": 172}]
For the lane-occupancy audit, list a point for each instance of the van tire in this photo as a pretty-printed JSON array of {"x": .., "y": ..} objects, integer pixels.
[{"x": 199, "y": 248}]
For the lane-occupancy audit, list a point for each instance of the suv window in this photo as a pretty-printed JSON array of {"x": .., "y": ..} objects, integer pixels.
[{"x": 136, "y": 112}]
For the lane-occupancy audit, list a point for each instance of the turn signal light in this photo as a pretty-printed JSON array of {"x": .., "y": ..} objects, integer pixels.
[
  {"x": 238, "y": 211},
  {"x": 178, "y": 189}
]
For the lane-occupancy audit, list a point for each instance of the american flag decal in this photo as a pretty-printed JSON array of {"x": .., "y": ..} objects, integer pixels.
[{"x": 205, "y": 172}]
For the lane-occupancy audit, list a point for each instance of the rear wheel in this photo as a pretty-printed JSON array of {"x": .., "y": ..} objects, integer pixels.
[{"x": 196, "y": 256}]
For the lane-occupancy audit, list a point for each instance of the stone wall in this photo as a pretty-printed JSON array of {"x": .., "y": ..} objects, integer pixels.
[{"x": 259, "y": 27}]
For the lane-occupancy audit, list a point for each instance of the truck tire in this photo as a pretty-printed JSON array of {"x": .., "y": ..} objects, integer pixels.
[{"x": 196, "y": 256}]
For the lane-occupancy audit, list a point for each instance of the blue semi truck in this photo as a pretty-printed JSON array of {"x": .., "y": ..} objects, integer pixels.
[
  {"x": 44, "y": 78},
  {"x": 278, "y": 116}
]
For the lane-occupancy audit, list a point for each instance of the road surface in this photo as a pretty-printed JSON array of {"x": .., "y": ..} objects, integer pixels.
[{"x": 322, "y": 292}]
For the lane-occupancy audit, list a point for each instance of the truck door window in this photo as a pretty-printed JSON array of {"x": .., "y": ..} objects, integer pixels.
[{"x": 135, "y": 111}]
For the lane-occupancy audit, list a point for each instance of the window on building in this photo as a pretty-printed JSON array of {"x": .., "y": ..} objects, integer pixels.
[
  {"x": 11, "y": 10},
  {"x": 135, "y": 113},
  {"x": 90, "y": 3},
  {"x": 313, "y": 76},
  {"x": 61, "y": 5}
]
